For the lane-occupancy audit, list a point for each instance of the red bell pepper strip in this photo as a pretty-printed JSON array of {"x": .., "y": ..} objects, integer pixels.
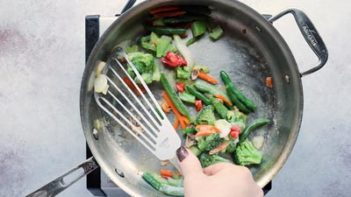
[
  {"x": 180, "y": 87},
  {"x": 173, "y": 60},
  {"x": 170, "y": 14},
  {"x": 166, "y": 173},
  {"x": 132, "y": 87},
  {"x": 164, "y": 9},
  {"x": 235, "y": 131},
  {"x": 198, "y": 105}
]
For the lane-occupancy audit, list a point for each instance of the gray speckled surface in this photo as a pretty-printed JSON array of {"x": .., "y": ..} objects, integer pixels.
[{"x": 41, "y": 63}]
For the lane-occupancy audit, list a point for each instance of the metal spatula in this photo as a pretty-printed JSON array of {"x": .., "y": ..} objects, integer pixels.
[{"x": 136, "y": 112}]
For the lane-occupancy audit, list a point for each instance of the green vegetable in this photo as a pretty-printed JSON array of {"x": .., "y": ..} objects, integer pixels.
[
  {"x": 181, "y": 19},
  {"x": 198, "y": 94},
  {"x": 210, "y": 142},
  {"x": 206, "y": 116},
  {"x": 158, "y": 22},
  {"x": 220, "y": 108},
  {"x": 198, "y": 28},
  {"x": 132, "y": 49},
  {"x": 166, "y": 30},
  {"x": 189, "y": 130},
  {"x": 173, "y": 187},
  {"x": 236, "y": 101},
  {"x": 234, "y": 90},
  {"x": 162, "y": 46},
  {"x": 207, "y": 160},
  {"x": 173, "y": 96},
  {"x": 186, "y": 97},
  {"x": 172, "y": 190},
  {"x": 144, "y": 63},
  {"x": 202, "y": 68},
  {"x": 237, "y": 118},
  {"x": 246, "y": 154},
  {"x": 255, "y": 125},
  {"x": 216, "y": 33},
  {"x": 146, "y": 44},
  {"x": 156, "y": 74},
  {"x": 209, "y": 88},
  {"x": 192, "y": 41},
  {"x": 195, "y": 150},
  {"x": 231, "y": 147},
  {"x": 183, "y": 72},
  {"x": 154, "y": 180}
]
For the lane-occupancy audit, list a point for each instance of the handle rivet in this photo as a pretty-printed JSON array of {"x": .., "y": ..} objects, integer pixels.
[{"x": 287, "y": 79}]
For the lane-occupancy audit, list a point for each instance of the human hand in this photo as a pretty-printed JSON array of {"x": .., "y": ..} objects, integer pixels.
[{"x": 219, "y": 180}]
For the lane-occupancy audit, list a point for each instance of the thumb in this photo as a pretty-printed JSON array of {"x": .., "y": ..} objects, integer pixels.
[{"x": 189, "y": 163}]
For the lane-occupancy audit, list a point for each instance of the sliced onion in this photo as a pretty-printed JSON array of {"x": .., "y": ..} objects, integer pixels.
[
  {"x": 184, "y": 50},
  {"x": 99, "y": 68},
  {"x": 100, "y": 84},
  {"x": 223, "y": 126},
  {"x": 258, "y": 141}
]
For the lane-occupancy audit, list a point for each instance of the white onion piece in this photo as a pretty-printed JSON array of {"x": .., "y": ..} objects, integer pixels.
[
  {"x": 223, "y": 126},
  {"x": 100, "y": 84},
  {"x": 99, "y": 67},
  {"x": 184, "y": 50},
  {"x": 258, "y": 141}
]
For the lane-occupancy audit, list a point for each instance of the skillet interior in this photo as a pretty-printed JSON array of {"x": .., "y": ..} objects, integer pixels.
[{"x": 249, "y": 57}]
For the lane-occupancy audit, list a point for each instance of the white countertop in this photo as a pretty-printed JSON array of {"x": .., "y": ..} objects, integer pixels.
[{"x": 42, "y": 53}]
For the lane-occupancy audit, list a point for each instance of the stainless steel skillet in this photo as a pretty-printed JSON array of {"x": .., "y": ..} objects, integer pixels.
[{"x": 251, "y": 50}]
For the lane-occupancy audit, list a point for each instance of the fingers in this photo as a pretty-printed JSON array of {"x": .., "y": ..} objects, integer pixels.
[
  {"x": 188, "y": 162},
  {"x": 214, "y": 169}
]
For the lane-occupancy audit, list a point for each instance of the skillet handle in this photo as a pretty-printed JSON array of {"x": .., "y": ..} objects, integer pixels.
[
  {"x": 311, "y": 36},
  {"x": 61, "y": 183}
]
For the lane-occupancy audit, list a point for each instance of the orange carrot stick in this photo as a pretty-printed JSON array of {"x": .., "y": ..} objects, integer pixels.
[
  {"x": 176, "y": 123},
  {"x": 182, "y": 119},
  {"x": 207, "y": 77},
  {"x": 226, "y": 101},
  {"x": 165, "y": 107}
]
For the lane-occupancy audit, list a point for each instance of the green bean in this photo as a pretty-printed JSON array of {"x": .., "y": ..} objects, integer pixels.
[
  {"x": 174, "y": 97},
  {"x": 220, "y": 108},
  {"x": 198, "y": 94},
  {"x": 229, "y": 84},
  {"x": 203, "y": 86},
  {"x": 236, "y": 101},
  {"x": 166, "y": 30},
  {"x": 255, "y": 125}
]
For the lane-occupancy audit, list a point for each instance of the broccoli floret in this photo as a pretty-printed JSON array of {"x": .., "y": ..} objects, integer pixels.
[
  {"x": 145, "y": 64},
  {"x": 183, "y": 72},
  {"x": 231, "y": 147},
  {"x": 209, "y": 142},
  {"x": 246, "y": 154},
  {"x": 207, "y": 160},
  {"x": 238, "y": 118},
  {"x": 206, "y": 116}
]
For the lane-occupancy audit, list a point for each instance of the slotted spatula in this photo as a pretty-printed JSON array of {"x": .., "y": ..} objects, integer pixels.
[{"x": 136, "y": 112}]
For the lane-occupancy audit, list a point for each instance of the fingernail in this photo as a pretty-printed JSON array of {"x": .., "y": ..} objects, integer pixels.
[{"x": 182, "y": 153}]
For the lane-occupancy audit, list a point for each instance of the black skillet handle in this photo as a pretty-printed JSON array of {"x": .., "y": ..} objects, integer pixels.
[{"x": 311, "y": 36}]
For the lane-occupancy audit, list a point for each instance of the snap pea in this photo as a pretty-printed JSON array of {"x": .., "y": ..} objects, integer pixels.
[
  {"x": 230, "y": 85},
  {"x": 255, "y": 125},
  {"x": 173, "y": 96},
  {"x": 220, "y": 108},
  {"x": 236, "y": 101},
  {"x": 197, "y": 94},
  {"x": 166, "y": 30},
  {"x": 149, "y": 178},
  {"x": 203, "y": 86}
]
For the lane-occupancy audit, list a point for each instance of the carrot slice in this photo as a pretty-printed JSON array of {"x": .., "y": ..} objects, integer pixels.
[
  {"x": 182, "y": 119},
  {"x": 219, "y": 148},
  {"x": 205, "y": 130},
  {"x": 164, "y": 9},
  {"x": 132, "y": 86},
  {"x": 269, "y": 82},
  {"x": 207, "y": 77},
  {"x": 176, "y": 123},
  {"x": 226, "y": 101},
  {"x": 165, "y": 107},
  {"x": 166, "y": 173}
]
